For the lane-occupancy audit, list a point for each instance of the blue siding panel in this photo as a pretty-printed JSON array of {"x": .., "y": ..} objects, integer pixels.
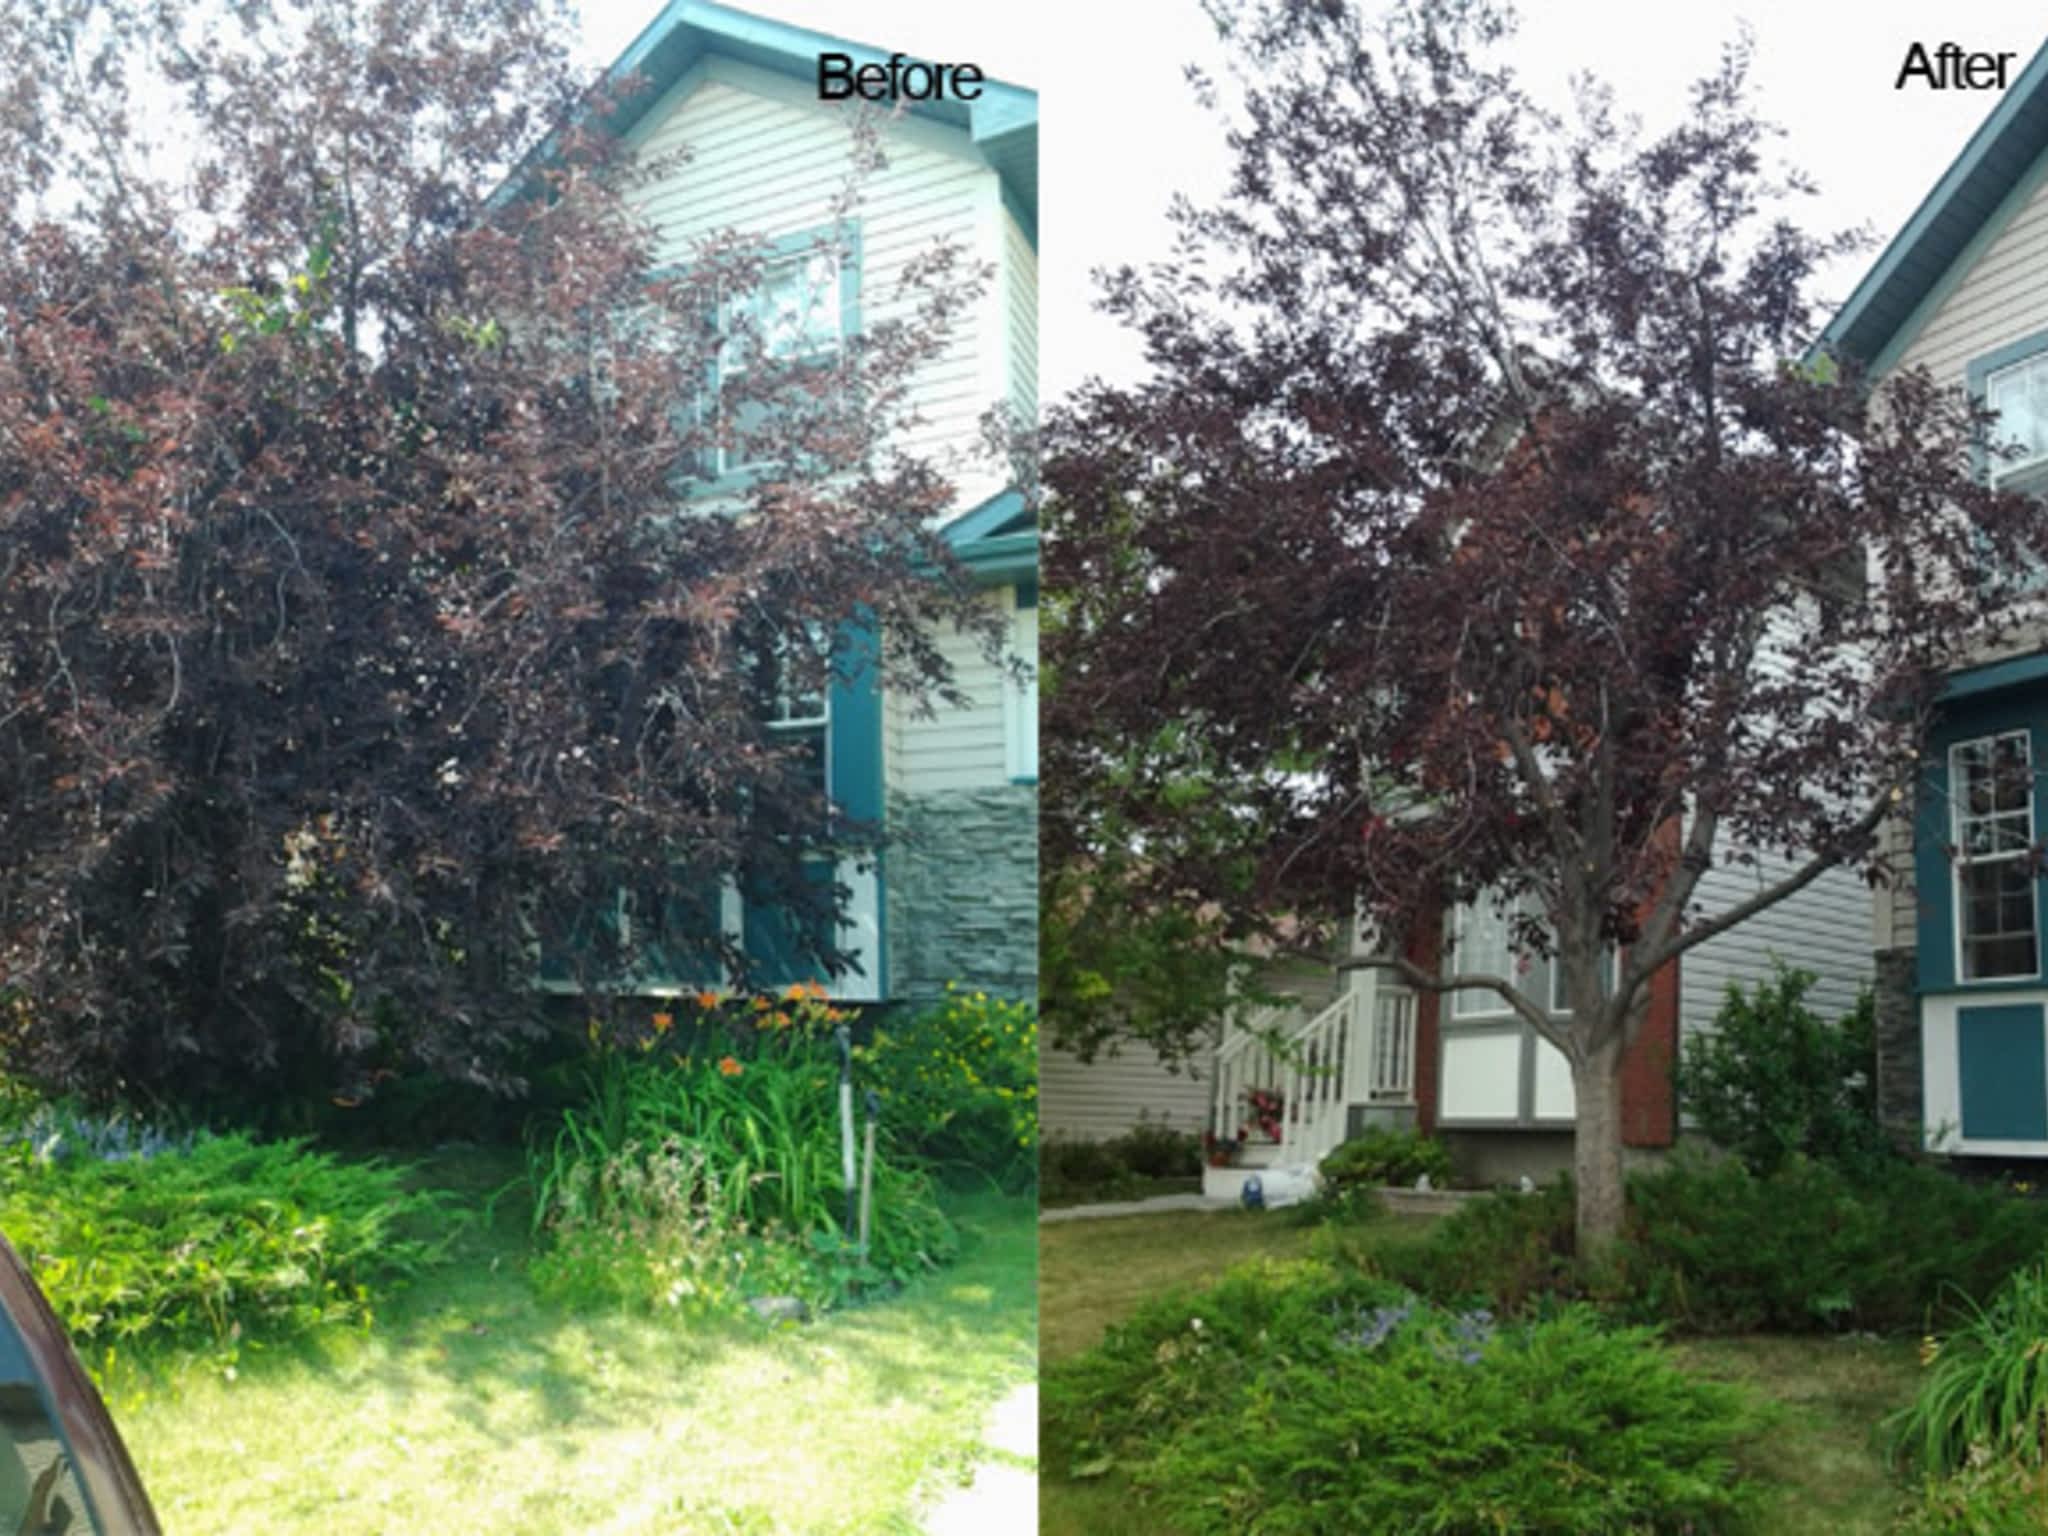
[{"x": 2002, "y": 1062}]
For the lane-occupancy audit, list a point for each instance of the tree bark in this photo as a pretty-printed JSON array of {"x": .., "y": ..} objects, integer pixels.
[{"x": 1596, "y": 1150}]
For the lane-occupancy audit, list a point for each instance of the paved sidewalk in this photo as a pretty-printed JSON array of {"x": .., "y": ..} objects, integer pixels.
[
  {"x": 1001, "y": 1496},
  {"x": 1151, "y": 1207}
]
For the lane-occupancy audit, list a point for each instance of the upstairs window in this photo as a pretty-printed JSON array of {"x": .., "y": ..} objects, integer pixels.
[
  {"x": 2020, "y": 396},
  {"x": 1991, "y": 780},
  {"x": 799, "y": 314}
]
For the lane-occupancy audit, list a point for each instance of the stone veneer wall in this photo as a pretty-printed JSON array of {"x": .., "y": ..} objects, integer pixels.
[
  {"x": 962, "y": 876},
  {"x": 1899, "y": 1107}
]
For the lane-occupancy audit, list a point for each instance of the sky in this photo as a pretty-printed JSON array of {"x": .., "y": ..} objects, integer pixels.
[{"x": 1120, "y": 133}]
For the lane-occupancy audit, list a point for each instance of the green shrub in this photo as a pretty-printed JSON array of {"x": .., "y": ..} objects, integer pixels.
[
  {"x": 1774, "y": 1080},
  {"x": 1187, "y": 1350},
  {"x": 1999, "y": 1497},
  {"x": 959, "y": 1085},
  {"x": 1297, "y": 1400},
  {"x": 1152, "y": 1150},
  {"x": 1070, "y": 1165},
  {"x": 1985, "y": 1392},
  {"x": 1713, "y": 1247},
  {"x": 210, "y": 1241},
  {"x": 1505, "y": 1250},
  {"x": 710, "y": 1177},
  {"x": 1383, "y": 1157}
]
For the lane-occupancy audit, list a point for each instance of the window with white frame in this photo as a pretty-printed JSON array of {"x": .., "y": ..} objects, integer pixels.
[
  {"x": 2019, "y": 394},
  {"x": 797, "y": 315},
  {"x": 1484, "y": 946},
  {"x": 1020, "y": 697},
  {"x": 1991, "y": 783}
]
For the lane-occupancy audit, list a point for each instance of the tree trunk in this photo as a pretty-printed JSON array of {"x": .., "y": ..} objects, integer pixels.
[{"x": 1596, "y": 1150}]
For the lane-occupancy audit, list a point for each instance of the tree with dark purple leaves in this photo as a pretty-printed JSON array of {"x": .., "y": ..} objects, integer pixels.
[
  {"x": 369, "y": 624},
  {"x": 1482, "y": 528}
]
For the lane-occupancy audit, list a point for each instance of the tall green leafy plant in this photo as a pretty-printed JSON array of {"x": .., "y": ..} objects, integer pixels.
[
  {"x": 1774, "y": 1078},
  {"x": 1985, "y": 1394},
  {"x": 730, "y": 1150}
]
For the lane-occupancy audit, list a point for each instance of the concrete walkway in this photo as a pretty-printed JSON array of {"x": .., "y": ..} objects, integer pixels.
[
  {"x": 1151, "y": 1207},
  {"x": 1000, "y": 1497}
]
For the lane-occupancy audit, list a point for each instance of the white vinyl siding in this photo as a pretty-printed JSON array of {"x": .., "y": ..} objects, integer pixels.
[
  {"x": 766, "y": 157},
  {"x": 953, "y": 748},
  {"x": 1020, "y": 272},
  {"x": 1997, "y": 300},
  {"x": 1824, "y": 928},
  {"x": 1096, "y": 1100}
]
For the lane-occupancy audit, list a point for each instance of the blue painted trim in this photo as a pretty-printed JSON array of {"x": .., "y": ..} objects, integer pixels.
[
  {"x": 857, "y": 759},
  {"x": 1990, "y": 679},
  {"x": 1979, "y": 370},
  {"x": 1934, "y": 878},
  {"x": 1027, "y": 593},
  {"x": 847, "y": 239},
  {"x": 977, "y": 522},
  {"x": 1927, "y": 247},
  {"x": 1961, "y": 266},
  {"x": 2002, "y": 1072},
  {"x": 687, "y": 31},
  {"x": 1025, "y": 215},
  {"x": 1010, "y": 557}
]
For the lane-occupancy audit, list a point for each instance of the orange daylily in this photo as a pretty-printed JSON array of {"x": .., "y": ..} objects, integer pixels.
[
  {"x": 707, "y": 1000},
  {"x": 728, "y": 1067},
  {"x": 662, "y": 1022}
]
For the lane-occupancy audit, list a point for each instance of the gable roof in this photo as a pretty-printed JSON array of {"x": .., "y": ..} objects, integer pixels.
[
  {"x": 1962, "y": 204},
  {"x": 1002, "y": 123}
]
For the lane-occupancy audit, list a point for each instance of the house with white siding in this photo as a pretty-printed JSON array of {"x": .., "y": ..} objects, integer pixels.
[
  {"x": 1357, "y": 1047},
  {"x": 1962, "y": 291},
  {"x": 953, "y": 894}
]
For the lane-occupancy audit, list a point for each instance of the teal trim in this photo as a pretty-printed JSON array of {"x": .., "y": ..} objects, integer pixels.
[
  {"x": 855, "y": 710},
  {"x": 992, "y": 516},
  {"x": 2016, "y": 673},
  {"x": 847, "y": 239},
  {"x": 1979, "y": 370},
  {"x": 1934, "y": 880},
  {"x": 1961, "y": 266},
  {"x": 780, "y": 948},
  {"x": 1002, "y": 123},
  {"x": 1008, "y": 557},
  {"x": 1027, "y": 594},
  {"x": 1978, "y": 182},
  {"x": 857, "y": 759},
  {"x": 1024, "y": 213},
  {"x": 2002, "y": 1069}
]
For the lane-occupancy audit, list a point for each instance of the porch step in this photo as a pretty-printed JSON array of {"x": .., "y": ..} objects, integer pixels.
[{"x": 1228, "y": 1183}]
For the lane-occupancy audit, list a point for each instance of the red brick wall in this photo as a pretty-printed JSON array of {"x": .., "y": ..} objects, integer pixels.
[
  {"x": 1649, "y": 1090},
  {"x": 1422, "y": 951}
]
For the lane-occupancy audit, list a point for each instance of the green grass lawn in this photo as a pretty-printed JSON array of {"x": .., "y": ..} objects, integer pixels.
[
  {"x": 473, "y": 1407},
  {"x": 1819, "y": 1459}
]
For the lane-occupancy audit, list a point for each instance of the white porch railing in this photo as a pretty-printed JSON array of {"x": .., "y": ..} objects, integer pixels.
[
  {"x": 1324, "y": 1066},
  {"x": 1391, "y": 1079}
]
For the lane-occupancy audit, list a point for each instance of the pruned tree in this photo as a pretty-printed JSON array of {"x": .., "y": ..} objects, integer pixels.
[
  {"x": 1480, "y": 467},
  {"x": 364, "y": 625}
]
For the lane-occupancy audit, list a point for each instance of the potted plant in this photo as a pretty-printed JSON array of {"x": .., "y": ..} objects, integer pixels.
[{"x": 1268, "y": 1111}]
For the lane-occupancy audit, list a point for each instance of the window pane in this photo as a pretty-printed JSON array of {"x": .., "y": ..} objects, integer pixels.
[
  {"x": 798, "y": 307},
  {"x": 1482, "y": 949},
  {"x": 1997, "y": 910},
  {"x": 2020, "y": 396}
]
